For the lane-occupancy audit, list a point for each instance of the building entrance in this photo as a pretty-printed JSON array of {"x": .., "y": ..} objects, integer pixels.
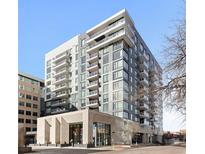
[{"x": 75, "y": 133}]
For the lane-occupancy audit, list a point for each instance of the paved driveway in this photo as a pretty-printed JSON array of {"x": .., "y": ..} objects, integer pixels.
[
  {"x": 150, "y": 150},
  {"x": 142, "y": 150}
]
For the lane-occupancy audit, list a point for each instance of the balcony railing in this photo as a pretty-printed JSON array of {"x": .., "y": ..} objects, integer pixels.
[
  {"x": 57, "y": 103},
  {"x": 58, "y": 110},
  {"x": 93, "y": 64},
  {"x": 107, "y": 28},
  {"x": 107, "y": 38},
  {"x": 62, "y": 55},
  {"x": 62, "y": 93},
  {"x": 94, "y": 92},
  {"x": 60, "y": 64},
  {"x": 92, "y": 55},
  {"x": 93, "y": 101},
  {"x": 93, "y": 83}
]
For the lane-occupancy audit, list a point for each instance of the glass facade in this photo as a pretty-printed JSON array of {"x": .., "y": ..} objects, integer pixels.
[
  {"x": 76, "y": 133},
  {"x": 101, "y": 134}
]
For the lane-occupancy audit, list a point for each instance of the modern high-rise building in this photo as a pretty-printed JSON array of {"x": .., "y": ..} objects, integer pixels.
[
  {"x": 108, "y": 69},
  {"x": 30, "y": 98}
]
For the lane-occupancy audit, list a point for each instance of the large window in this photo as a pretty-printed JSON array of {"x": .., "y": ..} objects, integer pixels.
[
  {"x": 82, "y": 77},
  {"x": 106, "y": 59},
  {"x": 108, "y": 49},
  {"x": 21, "y": 111},
  {"x": 105, "y": 88},
  {"x": 118, "y": 95},
  {"x": 117, "y": 54},
  {"x": 20, "y": 120},
  {"x": 28, "y": 104},
  {"x": 125, "y": 95},
  {"x": 105, "y": 68},
  {"x": 118, "y": 114},
  {"x": 117, "y": 74},
  {"x": 117, "y": 64},
  {"x": 35, "y": 106},
  {"x": 76, "y": 133},
  {"x": 82, "y": 42},
  {"x": 125, "y": 75},
  {"x": 28, "y": 112},
  {"x": 105, "y": 107},
  {"x": 101, "y": 134},
  {"x": 125, "y": 85},
  {"x": 28, "y": 121},
  {"x": 83, "y": 60},
  {"x": 83, "y": 68},
  {"x": 28, "y": 96},
  {"x": 105, "y": 98},
  {"x": 35, "y": 98},
  {"x": 48, "y": 70},
  {"x": 34, "y": 121},
  {"x": 117, "y": 85},
  {"x": 105, "y": 78},
  {"x": 35, "y": 114},
  {"x": 118, "y": 45},
  {"x": 21, "y": 103},
  {"x": 125, "y": 55},
  {"x": 125, "y": 65},
  {"x": 120, "y": 105}
]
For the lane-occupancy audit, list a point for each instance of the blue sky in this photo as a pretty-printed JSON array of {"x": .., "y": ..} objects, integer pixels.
[{"x": 45, "y": 24}]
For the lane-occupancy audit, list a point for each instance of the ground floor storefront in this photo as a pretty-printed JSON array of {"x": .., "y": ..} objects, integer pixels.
[{"x": 89, "y": 128}]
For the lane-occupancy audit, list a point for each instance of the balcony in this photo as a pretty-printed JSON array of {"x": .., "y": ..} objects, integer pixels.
[
  {"x": 61, "y": 94},
  {"x": 92, "y": 67},
  {"x": 143, "y": 73},
  {"x": 59, "y": 103},
  {"x": 124, "y": 33},
  {"x": 61, "y": 87},
  {"x": 93, "y": 76},
  {"x": 144, "y": 82},
  {"x": 93, "y": 57},
  {"x": 107, "y": 40},
  {"x": 143, "y": 106},
  {"x": 61, "y": 80},
  {"x": 144, "y": 115},
  {"x": 92, "y": 103},
  {"x": 92, "y": 85},
  {"x": 106, "y": 30},
  {"x": 146, "y": 56},
  {"x": 153, "y": 77},
  {"x": 60, "y": 57},
  {"x": 93, "y": 94},
  {"x": 58, "y": 111},
  {"x": 60, "y": 65},
  {"x": 60, "y": 72}
]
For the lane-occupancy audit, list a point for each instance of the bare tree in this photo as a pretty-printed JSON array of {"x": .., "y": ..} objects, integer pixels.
[{"x": 174, "y": 88}]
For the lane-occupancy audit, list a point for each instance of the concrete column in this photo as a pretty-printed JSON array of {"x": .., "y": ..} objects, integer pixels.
[
  {"x": 46, "y": 132},
  {"x": 145, "y": 138},
  {"x": 55, "y": 131},
  {"x": 43, "y": 131},
  {"x": 64, "y": 132},
  {"x": 87, "y": 128}
]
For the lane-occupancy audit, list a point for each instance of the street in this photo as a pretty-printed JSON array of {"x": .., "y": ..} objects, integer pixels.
[{"x": 142, "y": 150}]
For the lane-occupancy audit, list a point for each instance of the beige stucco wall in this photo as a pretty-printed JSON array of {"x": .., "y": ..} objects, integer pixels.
[
  {"x": 121, "y": 130},
  {"x": 55, "y": 129}
]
